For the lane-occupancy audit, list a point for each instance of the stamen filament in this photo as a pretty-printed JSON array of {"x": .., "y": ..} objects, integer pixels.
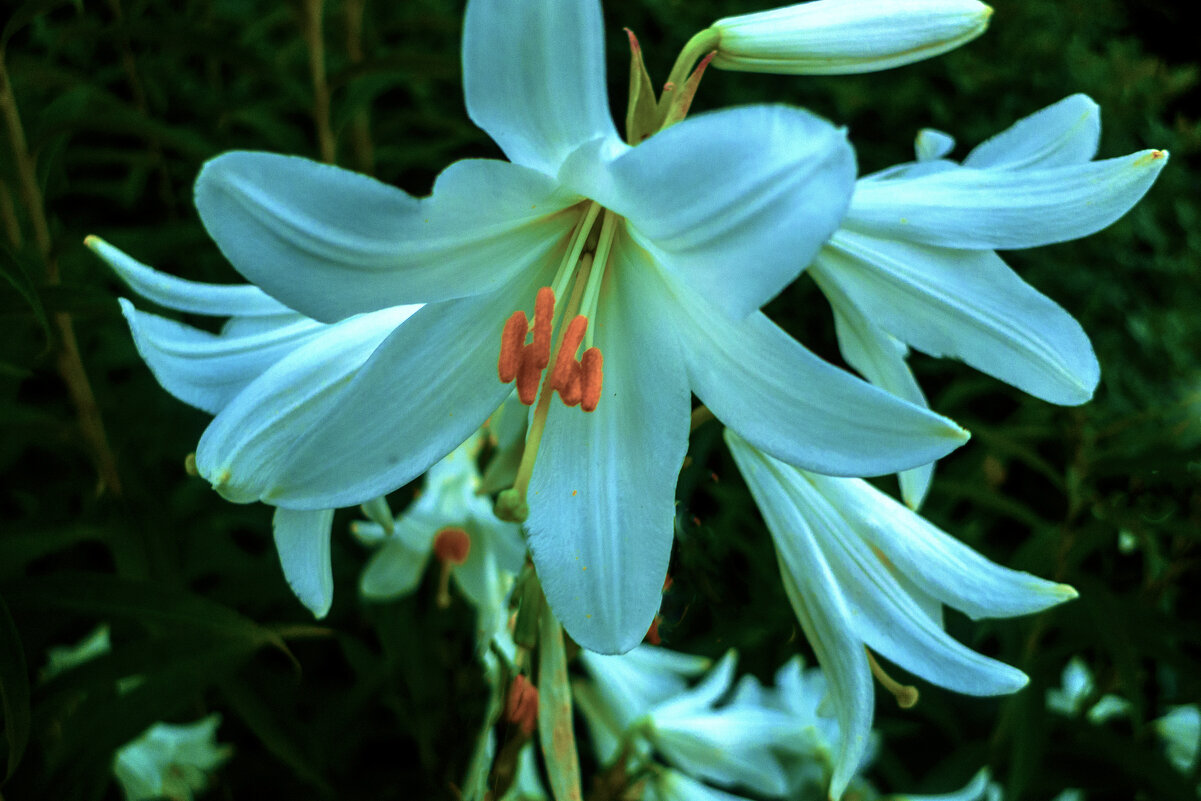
[
  {"x": 579, "y": 238},
  {"x": 905, "y": 694},
  {"x": 603, "y": 247}
]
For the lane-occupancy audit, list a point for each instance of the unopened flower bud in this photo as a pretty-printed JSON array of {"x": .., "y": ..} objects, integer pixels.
[
  {"x": 832, "y": 37},
  {"x": 521, "y": 707}
]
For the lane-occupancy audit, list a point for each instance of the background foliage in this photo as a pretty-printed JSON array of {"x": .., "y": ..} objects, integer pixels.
[{"x": 120, "y": 103}]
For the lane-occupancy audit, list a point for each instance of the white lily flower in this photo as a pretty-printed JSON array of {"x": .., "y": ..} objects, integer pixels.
[
  {"x": 656, "y": 256},
  {"x": 171, "y": 761},
  {"x": 1071, "y": 698},
  {"x": 448, "y": 514},
  {"x": 863, "y": 570},
  {"x": 267, "y": 364},
  {"x": 840, "y": 37},
  {"x": 914, "y": 263}
]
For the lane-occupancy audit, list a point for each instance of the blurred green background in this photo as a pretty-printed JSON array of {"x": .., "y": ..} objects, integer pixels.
[{"x": 121, "y": 101}]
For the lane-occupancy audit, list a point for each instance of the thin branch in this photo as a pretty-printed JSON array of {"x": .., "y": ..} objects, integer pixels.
[{"x": 314, "y": 38}]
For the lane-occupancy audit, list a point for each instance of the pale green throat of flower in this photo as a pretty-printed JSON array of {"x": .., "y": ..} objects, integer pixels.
[{"x": 559, "y": 329}]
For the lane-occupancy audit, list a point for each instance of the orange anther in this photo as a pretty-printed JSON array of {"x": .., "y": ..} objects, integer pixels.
[
  {"x": 452, "y": 545},
  {"x": 591, "y": 378},
  {"x": 528, "y": 374},
  {"x": 512, "y": 343},
  {"x": 544, "y": 315},
  {"x": 570, "y": 394},
  {"x": 561, "y": 374}
]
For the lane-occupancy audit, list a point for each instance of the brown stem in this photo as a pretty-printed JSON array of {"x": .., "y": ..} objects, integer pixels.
[
  {"x": 69, "y": 363},
  {"x": 315, "y": 40},
  {"x": 8, "y": 215},
  {"x": 360, "y": 124}
]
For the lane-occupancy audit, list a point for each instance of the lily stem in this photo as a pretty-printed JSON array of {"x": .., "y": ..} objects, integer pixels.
[
  {"x": 314, "y": 38},
  {"x": 68, "y": 360}
]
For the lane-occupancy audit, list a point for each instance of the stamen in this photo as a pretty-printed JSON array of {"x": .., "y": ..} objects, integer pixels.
[
  {"x": 528, "y": 374},
  {"x": 512, "y": 345},
  {"x": 571, "y": 392},
  {"x": 905, "y": 694},
  {"x": 452, "y": 545},
  {"x": 544, "y": 315},
  {"x": 561, "y": 374},
  {"x": 591, "y": 378}
]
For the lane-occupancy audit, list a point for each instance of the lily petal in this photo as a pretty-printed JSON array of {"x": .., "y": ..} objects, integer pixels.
[
  {"x": 783, "y": 399},
  {"x": 817, "y": 599},
  {"x": 734, "y": 203},
  {"x": 995, "y": 209},
  {"x": 968, "y": 305},
  {"x": 205, "y": 370},
  {"x": 217, "y": 300},
  {"x": 936, "y": 562},
  {"x": 331, "y": 243},
  {"x": 303, "y": 542},
  {"x": 880, "y": 358},
  {"x": 395, "y": 569},
  {"x": 426, "y": 389},
  {"x": 1063, "y": 133},
  {"x": 534, "y": 77},
  {"x": 251, "y": 438},
  {"x": 602, "y": 495}
]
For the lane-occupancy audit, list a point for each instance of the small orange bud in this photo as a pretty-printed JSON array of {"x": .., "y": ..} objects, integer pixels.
[{"x": 521, "y": 706}]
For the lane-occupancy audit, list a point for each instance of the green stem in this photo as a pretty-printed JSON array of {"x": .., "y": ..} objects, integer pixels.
[
  {"x": 314, "y": 38},
  {"x": 360, "y": 124},
  {"x": 697, "y": 47}
]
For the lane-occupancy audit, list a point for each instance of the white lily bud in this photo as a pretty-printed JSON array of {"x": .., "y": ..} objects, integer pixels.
[{"x": 831, "y": 37}]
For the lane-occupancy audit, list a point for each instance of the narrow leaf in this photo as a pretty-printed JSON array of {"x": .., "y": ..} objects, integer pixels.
[{"x": 554, "y": 712}]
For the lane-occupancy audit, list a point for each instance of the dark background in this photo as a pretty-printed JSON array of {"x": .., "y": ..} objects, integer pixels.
[{"x": 121, "y": 101}]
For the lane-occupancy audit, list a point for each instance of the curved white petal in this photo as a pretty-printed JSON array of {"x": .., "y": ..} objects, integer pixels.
[
  {"x": 331, "y": 243},
  {"x": 817, "y": 600},
  {"x": 426, "y": 389},
  {"x": 252, "y": 437},
  {"x": 734, "y": 203},
  {"x": 1067, "y": 132},
  {"x": 783, "y": 399},
  {"x": 1004, "y": 209},
  {"x": 630, "y": 684},
  {"x": 206, "y": 370},
  {"x": 303, "y": 542},
  {"x": 931, "y": 145},
  {"x": 190, "y": 296},
  {"x": 602, "y": 496},
  {"x": 936, "y": 562},
  {"x": 534, "y": 77},
  {"x": 969, "y": 305},
  {"x": 395, "y": 569},
  {"x": 880, "y": 358},
  {"x": 887, "y": 618}
]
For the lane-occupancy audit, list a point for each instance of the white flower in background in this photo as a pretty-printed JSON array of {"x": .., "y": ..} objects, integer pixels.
[
  {"x": 1073, "y": 697},
  {"x": 837, "y": 37},
  {"x": 62, "y": 658},
  {"x": 1180, "y": 731},
  {"x": 765, "y": 740},
  {"x": 980, "y": 788},
  {"x": 170, "y": 761},
  {"x": 654, "y": 259},
  {"x": 267, "y": 363},
  {"x": 451, "y": 520},
  {"x": 863, "y": 570},
  {"x": 914, "y": 261}
]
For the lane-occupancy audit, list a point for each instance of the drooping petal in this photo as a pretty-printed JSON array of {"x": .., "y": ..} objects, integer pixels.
[
  {"x": 930, "y": 145},
  {"x": 1004, "y": 209},
  {"x": 817, "y": 600},
  {"x": 734, "y": 203},
  {"x": 840, "y": 37},
  {"x": 252, "y": 437},
  {"x": 631, "y": 683},
  {"x": 426, "y": 389},
  {"x": 783, "y": 399},
  {"x": 602, "y": 495},
  {"x": 1063, "y": 133},
  {"x": 303, "y": 542},
  {"x": 166, "y": 290},
  {"x": 887, "y": 619},
  {"x": 331, "y": 243},
  {"x": 880, "y": 358},
  {"x": 936, "y": 562},
  {"x": 206, "y": 370},
  {"x": 534, "y": 77},
  {"x": 968, "y": 305}
]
